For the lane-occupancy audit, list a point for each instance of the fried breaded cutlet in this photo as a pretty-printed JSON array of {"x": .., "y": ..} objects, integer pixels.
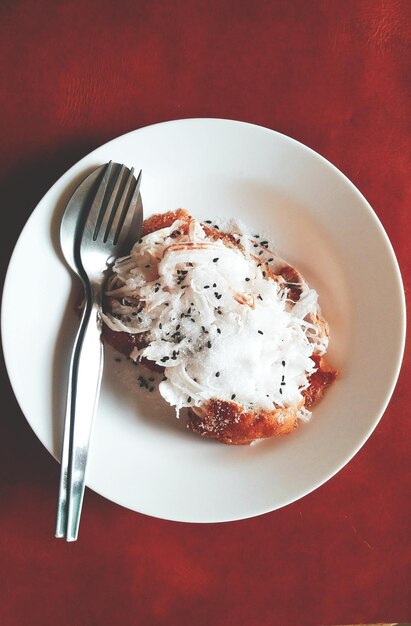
[{"x": 142, "y": 321}]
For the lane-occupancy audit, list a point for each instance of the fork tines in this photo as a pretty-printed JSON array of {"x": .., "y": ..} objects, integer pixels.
[{"x": 114, "y": 202}]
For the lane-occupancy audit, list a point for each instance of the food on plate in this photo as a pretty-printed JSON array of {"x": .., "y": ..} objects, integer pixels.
[{"x": 235, "y": 330}]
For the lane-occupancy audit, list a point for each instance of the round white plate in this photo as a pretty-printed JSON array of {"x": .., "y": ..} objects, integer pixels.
[{"x": 141, "y": 456}]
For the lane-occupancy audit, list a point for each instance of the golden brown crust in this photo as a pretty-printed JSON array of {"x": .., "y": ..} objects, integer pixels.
[
  {"x": 163, "y": 220},
  {"x": 221, "y": 420},
  {"x": 292, "y": 280},
  {"x": 227, "y": 238},
  {"x": 123, "y": 342},
  {"x": 319, "y": 381},
  {"x": 230, "y": 423}
]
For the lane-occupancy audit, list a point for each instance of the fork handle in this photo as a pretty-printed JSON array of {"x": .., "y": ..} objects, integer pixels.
[
  {"x": 61, "y": 522},
  {"x": 83, "y": 391}
]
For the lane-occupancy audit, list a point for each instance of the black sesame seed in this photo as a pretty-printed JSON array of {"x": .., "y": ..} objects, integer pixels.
[
  {"x": 206, "y": 286},
  {"x": 148, "y": 265},
  {"x": 140, "y": 241},
  {"x": 238, "y": 241},
  {"x": 264, "y": 274},
  {"x": 260, "y": 253},
  {"x": 217, "y": 374},
  {"x": 207, "y": 222},
  {"x": 139, "y": 319},
  {"x": 189, "y": 399},
  {"x": 264, "y": 243},
  {"x": 209, "y": 344},
  {"x": 214, "y": 284},
  {"x": 215, "y": 260},
  {"x": 233, "y": 396},
  {"x": 283, "y": 383},
  {"x": 256, "y": 245},
  {"x": 259, "y": 297},
  {"x": 283, "y": 363},
  {"x": 257, "y": 236},
  {"x": 219, "y": 331},
  {"x": 160, "y": 326},
  {"x": 259, "y": 264},
  {"x": 260, "y": 332},
  {"x": 247, "y": 279},
  {"x": 183, "y": 286},
  {"x": 216, "y": 227},
  {"x": 270, "y": 260},
  {"x": 178, "y": 326},
  {"x": 281, "y": 391}
]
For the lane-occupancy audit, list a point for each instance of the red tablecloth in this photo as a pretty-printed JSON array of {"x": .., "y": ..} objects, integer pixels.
[{"x": 334, "y": 75}]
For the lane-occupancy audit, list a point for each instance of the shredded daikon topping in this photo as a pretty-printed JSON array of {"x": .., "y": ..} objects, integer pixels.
[{"x": 217, "y": 318}]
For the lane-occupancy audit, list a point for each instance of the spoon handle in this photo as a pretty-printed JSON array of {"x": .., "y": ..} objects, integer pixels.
[{"x": 83, "y": 390}]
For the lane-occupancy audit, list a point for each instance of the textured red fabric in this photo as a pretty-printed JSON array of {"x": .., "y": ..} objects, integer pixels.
[{"x": 336, "y": 76}]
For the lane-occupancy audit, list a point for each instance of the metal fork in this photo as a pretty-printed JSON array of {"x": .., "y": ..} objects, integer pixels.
[{"x": 99, "y": 241}]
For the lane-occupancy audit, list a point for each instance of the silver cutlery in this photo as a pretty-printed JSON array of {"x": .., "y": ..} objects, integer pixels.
[{"x": 101, "y": 222}]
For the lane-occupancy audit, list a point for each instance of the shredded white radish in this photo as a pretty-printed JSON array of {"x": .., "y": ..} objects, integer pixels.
[{"x": 218, "y": 321}]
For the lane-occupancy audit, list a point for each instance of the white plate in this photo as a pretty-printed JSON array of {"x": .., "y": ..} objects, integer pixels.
[{"x": 141, "y": 457}]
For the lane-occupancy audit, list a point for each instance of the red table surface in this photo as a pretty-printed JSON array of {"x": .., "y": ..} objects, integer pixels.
[{"x": 334, "y": 75}]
